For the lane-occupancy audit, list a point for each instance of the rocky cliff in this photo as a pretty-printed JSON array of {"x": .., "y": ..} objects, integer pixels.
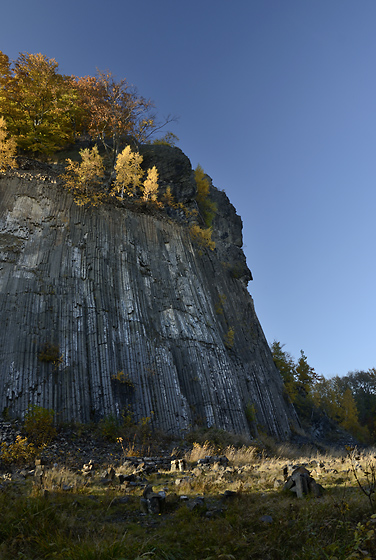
[{"x": 105, "y": 309}]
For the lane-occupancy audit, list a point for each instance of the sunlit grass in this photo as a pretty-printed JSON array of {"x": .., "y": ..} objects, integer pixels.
[{"x": 70, "y": 516}]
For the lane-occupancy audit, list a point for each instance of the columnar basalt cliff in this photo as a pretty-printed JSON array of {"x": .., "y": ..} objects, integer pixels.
[{"x": 105, "y": 309}]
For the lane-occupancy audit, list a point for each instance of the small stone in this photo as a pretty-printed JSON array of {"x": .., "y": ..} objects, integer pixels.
[
  {"x": 266, "y": 519},
  {"x": 228, "y": 494}
]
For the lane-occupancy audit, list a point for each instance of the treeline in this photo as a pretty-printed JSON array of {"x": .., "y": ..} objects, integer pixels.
[
  {"x": 350, "y": 400},
  {"x": 45, "y": 110}
]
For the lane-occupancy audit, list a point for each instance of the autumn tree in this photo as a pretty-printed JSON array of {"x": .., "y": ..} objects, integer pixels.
[
  {"x": 39, "y": 104},
  {"x": 202, "y": 237},
  {"x": 338, "y": 403},
  {"x": 168, "y": 139},
  {"x": 207, "y": 207},
  {"x": 115, "y": 110},
  {"x": 5, "y": 76},
  {"x": 150, "y": 185},
  {"x": 128, "y": 173},
  {"x": 363, "y": 386},
  {"x": 84, "y": 179},
  {"x": 8, "y": 148}
]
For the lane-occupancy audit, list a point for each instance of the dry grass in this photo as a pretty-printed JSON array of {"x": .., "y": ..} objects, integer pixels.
[{"x": 82, "y": 518}]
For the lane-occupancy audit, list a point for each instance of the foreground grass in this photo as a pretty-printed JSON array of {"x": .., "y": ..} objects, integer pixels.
[{"x": 81, "y": 519}]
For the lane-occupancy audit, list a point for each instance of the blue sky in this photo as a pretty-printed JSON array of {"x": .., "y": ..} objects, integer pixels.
[{"x": 276, "y": 101}]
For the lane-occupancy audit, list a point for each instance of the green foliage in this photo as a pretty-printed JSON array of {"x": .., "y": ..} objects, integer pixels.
[
  {"x": 368, "y": 484},
  {"x": 39, "y": 425},
  {"x": 116, "y": 428},
  {"x": 17, "y": 453},
  {"x": 363, "y": 388},
  {"x": 207, "y": 207},
  {"x": 50, "y": 353},
  {"x": 337, "y": 401},
  {"x": 250, "y": 413},
  {"x": 43, "y": 521},
  {"x": 111, "y": 427},
  {"x": 310, "y": 392},
  {"x": 286, "y": 367}
]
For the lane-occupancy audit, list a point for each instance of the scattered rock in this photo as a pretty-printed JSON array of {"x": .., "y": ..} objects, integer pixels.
[
  {"x": 152, "y": 502},
  {"x": 302, "y": 483},
  {"x": 266, "y": 519},
  {"x": 178, "y": 465}
]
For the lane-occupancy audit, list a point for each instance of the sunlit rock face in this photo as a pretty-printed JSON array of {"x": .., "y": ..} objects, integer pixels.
[{"x": 105, "y": 310}]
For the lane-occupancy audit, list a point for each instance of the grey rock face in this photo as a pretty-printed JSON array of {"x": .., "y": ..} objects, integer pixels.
[
  {"x": 88, "y": 293},
  {"x": 174, "y": 170}
]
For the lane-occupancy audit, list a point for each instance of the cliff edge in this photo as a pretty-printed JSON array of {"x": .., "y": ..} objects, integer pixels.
[{"x": 107, "y": 309}]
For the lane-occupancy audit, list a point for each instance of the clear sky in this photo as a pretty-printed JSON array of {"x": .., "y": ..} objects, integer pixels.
[{"x": 276, "y": 100}]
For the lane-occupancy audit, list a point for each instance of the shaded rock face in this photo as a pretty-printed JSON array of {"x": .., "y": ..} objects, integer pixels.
[
  {"x": 174, "y": 170},
  {"x": 103, "y": 309}
]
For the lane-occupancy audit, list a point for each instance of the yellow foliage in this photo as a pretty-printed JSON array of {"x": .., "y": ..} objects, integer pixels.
[
  {"x": 202, "y": 236},
  {"x": 84, "y": 179},
  {"x": 128, "y": 173},
  {"x": 150, "y": 186},
  {"x": 8, "y": 148},
  {"x": 169, "y": 139},
  {"x": 39, "y": 425},
  {"x": 207, "y": 208},
  {"x": 19, "y": 452},
  {"x": 168, "y": 198},
  {"x": 123, "y": 378}
]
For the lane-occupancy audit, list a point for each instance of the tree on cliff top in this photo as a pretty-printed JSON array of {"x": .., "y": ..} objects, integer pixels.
[
  {"x": 38, "y": 104},
  {"x": 45, "y": 110},
  {"x": 8, "y": 148},
  {"x": 115, "y": 110},
  {"x": 84, "y": 179},
  {"x": 128, "y": 173},
  {"x": 5, "y": 75}
]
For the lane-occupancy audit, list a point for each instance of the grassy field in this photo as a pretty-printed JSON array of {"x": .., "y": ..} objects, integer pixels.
[{"x": 243, "y": 511}]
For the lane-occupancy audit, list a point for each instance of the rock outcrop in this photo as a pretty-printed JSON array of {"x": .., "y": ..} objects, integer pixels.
[{"x": 105, "y": 309}]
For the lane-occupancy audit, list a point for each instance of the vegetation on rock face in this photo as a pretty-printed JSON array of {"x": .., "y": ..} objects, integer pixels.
[
  {"x": 207, "y": 207},
  {"x": 202, "y": 237}
]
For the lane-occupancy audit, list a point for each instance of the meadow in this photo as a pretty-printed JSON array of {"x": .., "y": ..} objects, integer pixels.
[{"x": 233, "y": 508}]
